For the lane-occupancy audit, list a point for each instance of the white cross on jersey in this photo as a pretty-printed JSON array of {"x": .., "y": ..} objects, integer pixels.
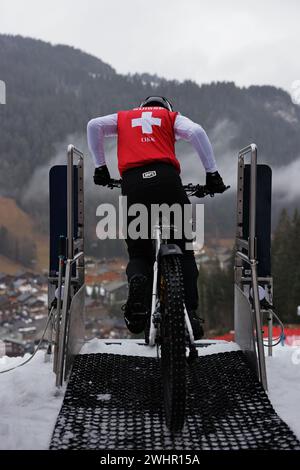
[{"x": 146, "y": 121}]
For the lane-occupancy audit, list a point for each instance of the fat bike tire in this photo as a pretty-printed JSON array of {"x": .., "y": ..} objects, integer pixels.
[{"x": 173, "y": 347}]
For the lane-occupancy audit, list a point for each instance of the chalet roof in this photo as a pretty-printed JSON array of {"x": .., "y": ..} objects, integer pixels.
[
  {"x": 19, "y": 282},
  {"x": 115, "y": 285},
  {"x": 33, "y": 301},
  {"x": 24, "y": 297}
]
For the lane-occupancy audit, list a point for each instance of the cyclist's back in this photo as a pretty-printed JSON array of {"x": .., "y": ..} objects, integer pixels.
[{"x": 150, "y": 174}]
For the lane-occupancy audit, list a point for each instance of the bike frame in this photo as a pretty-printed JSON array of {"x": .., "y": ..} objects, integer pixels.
[
  {"x": 191, "y": 190},
  {"x": 155, "y": 308}
]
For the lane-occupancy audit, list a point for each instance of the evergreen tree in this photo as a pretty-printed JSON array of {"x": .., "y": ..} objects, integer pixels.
[
  {"x": 215, "y": 288},
  {"x": 286, "y": 266},
  {"x": 295, "y": 266}
]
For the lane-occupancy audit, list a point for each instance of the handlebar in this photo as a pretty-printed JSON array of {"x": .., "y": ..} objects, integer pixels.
[
  {"x": 114, "y": 183},
  {"x": 197, "y": 190}
]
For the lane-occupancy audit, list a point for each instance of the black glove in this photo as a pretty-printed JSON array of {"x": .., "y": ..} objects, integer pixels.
[
  {"x": 214, "y": 183},
  {"x": 101, "y": 176}
]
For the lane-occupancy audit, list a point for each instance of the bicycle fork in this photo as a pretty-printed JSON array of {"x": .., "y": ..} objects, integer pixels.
[
  {"x": 155, "y": 311},
  {"x": 155, "y": 314}
]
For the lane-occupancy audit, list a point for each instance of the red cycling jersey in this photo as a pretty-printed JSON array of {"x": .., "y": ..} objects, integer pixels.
[{"x": 146, "y": 135}]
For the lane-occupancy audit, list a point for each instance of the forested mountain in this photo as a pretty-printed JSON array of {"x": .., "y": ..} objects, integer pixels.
[{"x": 52, "y": 91}]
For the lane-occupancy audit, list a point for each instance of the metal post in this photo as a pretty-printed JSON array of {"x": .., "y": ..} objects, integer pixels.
[
  {"x": 238, "y": 268},
  {"x": 258, "y": 325},
  {"x": 63, "y": 326},
  {"x": 271, "y": 317},
  {"x": 239, "y": 206},
  {"x": 80, "y": 166},
  {"x": 270, "y": 333},
  {"x": 252, "y": 212},
  {"x": 58, "y": 312},
  {"x": 70, "y": 201}
]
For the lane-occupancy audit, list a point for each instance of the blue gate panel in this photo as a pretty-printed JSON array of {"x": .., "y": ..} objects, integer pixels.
[
  {"x": 58, "y": 211},
  {"x": 263, "y": 216}
]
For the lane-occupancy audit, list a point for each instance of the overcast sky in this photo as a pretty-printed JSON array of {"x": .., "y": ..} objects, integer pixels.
[{"x": 248, "y": 42}]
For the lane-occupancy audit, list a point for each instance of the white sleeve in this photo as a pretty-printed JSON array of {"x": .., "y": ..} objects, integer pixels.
[
  {"x": 97, "y": 129},
  {"x": 189, "y": 131}
]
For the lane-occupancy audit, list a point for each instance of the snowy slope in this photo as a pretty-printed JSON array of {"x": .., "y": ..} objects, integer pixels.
[
  {"x": 284, "y": 384},
  {"x": 138, "y": 348},
  {"x": 29, "y": 403}
]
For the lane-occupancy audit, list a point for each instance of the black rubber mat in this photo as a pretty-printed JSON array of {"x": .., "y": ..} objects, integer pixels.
[{"x": 115, "y": 402}]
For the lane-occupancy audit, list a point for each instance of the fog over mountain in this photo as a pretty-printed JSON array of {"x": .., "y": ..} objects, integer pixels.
[{"x": 52, "y": 92}]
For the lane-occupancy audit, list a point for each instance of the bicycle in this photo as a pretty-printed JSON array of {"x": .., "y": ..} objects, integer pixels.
[{"x": 169, "y": 326}]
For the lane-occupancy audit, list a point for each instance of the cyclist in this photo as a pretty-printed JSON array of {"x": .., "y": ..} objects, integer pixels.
[{"x": 151, "y": 175}]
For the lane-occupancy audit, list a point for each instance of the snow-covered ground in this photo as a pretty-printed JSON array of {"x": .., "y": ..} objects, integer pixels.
[
  {"x": 138, "y": 348},
  {"x": 29, "y": 402},
  {"x": 283, "y": 372}
]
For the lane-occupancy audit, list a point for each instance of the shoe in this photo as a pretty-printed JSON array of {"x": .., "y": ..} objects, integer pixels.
[
  {"x": 135, "y": 309},
  {"x": 196, "y": 323}
]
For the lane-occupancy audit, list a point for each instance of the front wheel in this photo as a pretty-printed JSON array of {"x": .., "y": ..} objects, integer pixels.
[{"x": 173, "y": 360}]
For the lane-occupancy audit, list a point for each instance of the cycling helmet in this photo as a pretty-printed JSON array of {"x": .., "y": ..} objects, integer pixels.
[{"x": 157, "y": 101}]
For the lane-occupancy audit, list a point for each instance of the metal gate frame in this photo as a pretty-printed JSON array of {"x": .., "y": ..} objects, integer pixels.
[
  {"x": 69, "y": 283},
  {"x": 246, "y": 251}
]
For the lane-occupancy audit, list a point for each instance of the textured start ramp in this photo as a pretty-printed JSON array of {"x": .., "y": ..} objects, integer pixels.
[{"x": 115, "y": 402}]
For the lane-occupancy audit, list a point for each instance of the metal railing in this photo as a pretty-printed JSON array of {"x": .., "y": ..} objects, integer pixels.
[
  {"x": 70, "y": 195},
  {"x": 68, "y": 284},
  {"x": 64, "y": 320},
  {"x": 249, "y": 254}
]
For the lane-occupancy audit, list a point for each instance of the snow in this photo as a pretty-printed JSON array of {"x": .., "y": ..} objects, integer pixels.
[
  {"x": 283, "y": 372},
  {"x": 104, "y": 396},
  {"x": 131, "y": 347},
  {"x": 30, "y": 404}
]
